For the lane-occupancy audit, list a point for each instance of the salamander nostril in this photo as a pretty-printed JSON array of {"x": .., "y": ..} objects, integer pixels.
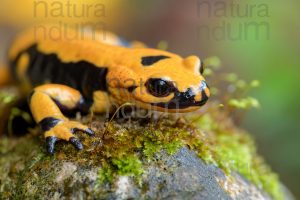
[
  {"x": 189, "y": 94},
  {"x": 186, "y": 98}
]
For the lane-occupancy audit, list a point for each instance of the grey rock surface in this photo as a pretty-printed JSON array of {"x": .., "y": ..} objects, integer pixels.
[{"x": 179, "y": 176}]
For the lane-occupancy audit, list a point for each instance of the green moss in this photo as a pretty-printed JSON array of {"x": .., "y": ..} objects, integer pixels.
[
  {"x": 266, "y": 179},
  {"x": 219, "y": 143},
  {"x": 105, "y": 174},
  {"x": 123, "y": 148},
  {"x": 232, "y": 154},
  {"x": 173, "y": 146},
  {"x": 128, "y": 165},
  {"x": 232, "y": 149},
  {"x": 150, "y": 149},
  {"x": 237, "y": 152}
]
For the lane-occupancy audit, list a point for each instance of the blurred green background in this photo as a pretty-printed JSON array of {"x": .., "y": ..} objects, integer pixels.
[{"x": 255, "y": 39}]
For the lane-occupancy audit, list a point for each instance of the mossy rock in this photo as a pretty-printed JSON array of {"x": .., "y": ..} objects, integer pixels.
[{"x": 195, "y": 157}]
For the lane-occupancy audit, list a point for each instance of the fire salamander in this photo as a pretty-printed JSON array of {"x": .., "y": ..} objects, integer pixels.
[{"x": 85, "y": 74}]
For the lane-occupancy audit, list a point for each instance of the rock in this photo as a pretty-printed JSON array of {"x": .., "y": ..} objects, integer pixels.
[
  {"x": 136, "y": 160},
  {"x": 66, "y": 171},
  {"x": 183, "y": 176}
]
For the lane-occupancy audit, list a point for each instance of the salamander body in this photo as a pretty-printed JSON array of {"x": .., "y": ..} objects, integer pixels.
[{"x": 86, "y": 74}]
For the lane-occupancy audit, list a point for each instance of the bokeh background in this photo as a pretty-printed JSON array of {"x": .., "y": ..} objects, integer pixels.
[{"x": 255, "y": 39}]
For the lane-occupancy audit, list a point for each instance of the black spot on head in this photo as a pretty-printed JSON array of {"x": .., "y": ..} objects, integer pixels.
[{"x": 149, "y": 60}]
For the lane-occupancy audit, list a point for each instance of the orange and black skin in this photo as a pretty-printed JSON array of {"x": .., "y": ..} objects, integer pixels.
[{"x": 62, "y": 75}]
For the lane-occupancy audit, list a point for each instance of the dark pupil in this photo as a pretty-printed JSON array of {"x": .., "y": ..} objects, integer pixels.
[{"x": 158, "y": 87}]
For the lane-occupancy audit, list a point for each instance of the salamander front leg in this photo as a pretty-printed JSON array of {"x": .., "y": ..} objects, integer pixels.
[{"x": 45, "y": 102}]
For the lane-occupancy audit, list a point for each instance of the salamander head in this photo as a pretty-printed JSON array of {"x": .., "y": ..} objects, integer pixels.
[{"x": 167, "y": 83}]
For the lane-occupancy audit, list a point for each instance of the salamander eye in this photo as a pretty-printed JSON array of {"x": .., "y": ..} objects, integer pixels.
[
  {"x": 202, "y": 67},
  {"x": 158, "y": 87}
]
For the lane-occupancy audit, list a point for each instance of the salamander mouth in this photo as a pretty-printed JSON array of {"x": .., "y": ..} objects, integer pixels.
[
  {"x": 182, "y": 101},
  {"x": 178, "y": 105}
]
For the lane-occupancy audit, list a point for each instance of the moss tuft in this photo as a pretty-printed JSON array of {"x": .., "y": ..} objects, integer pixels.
[
  {"x": 128, "y": 165},
  {"x": 125, "y": 145},
  {"x": 105, "y": 174},
  {"x": 232, "y": 149}
]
